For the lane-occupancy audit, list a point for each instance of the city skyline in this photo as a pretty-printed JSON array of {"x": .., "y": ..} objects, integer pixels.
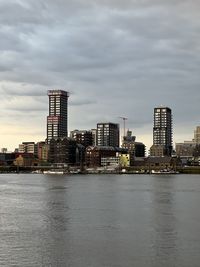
[{"x": 116, "y": 58}]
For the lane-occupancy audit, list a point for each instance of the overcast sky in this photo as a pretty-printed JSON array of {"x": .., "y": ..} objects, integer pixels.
[{"x": 115, "y": 57}]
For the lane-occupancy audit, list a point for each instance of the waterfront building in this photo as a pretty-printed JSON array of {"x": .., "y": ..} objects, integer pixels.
[
  {"x": 62, "y": 150},
  {"x": 25, "y": 160},
  {"x": 185, "y": 149},
  {"x": 57, "y": 120},
  {"x": 108, "y": 134},
  {"x": 110, "y": 161},
  {"x": 162, "y": 130},
  {"x": 95, "y": 155},
  {"x": 160, "y": 163},
  {"x": 82, "y": 137}
]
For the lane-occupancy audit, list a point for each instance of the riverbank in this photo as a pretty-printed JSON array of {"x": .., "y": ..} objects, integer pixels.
[{"x": 129, "y": 170}]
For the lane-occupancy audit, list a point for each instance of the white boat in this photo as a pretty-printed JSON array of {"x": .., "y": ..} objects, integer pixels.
[
  {"x": 54, "y": 172},
  {"x": 164, "y": 172}
]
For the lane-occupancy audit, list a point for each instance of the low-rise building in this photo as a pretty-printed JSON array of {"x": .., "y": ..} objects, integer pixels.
[
  {"x": 6, "y": 159},
  {"x": 98, "y": 155},
  {"x": 25, "y": 160},
  {"x": 185, "y": 149},
  {"x": 28, "y": 147},
  {"x": 110, "y": 161},
  {"x": 159, "y": 163}
]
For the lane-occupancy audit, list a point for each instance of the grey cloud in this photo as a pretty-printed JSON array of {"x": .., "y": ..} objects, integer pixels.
[
  {"x": 22, "y": 90},
  {"x": 123, "y": 56},
  {"x": 82, "y": 102},
  {"x": 24, "y": 105}
]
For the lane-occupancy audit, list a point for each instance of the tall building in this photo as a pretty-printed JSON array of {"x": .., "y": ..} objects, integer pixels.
[
  {"x": 57, "y": 121},
  {"x": 197, "y": 135},
  {"x": 162, "y": 130},
  {"x": 108, "y": 134},
  {"x": 94, "y": 137}
]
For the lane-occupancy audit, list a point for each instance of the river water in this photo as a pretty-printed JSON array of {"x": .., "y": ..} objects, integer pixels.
[{"x": 99, "y": 220}]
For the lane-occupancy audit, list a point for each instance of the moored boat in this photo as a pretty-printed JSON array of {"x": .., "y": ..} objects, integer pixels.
[
  {"x": 164, "y": 172},
  {"x": 55, "y": 171}
]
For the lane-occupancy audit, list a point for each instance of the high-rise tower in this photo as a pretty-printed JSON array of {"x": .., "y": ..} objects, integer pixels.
[
  {"x": 57, "y": 121},
  {"x": 162, "y": 130},
  {"x": 197, "y": 135},
  {"x": 108, "y": 134}
]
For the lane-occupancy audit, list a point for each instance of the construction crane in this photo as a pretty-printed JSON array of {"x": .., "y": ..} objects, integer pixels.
[{"x": 124, "y": 121}]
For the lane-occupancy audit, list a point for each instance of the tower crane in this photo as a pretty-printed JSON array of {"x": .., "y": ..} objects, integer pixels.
[{"x": 124, "y": 121}]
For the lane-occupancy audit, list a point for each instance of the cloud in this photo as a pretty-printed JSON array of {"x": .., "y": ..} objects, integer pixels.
[{"x": 116, "y": 58}]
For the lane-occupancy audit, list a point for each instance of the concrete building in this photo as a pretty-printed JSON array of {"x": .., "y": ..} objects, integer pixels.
[
  {"x": 162, "y": 130},
  {"x": 108, "y": 134},
  {"x": 57, "y": 120}
]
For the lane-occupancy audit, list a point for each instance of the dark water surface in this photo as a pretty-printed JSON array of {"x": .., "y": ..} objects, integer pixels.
[{"x": 99, "y": 220}]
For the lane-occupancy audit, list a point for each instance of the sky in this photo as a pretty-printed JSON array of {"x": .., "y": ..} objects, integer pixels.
[{"x": 117, "y": 58}]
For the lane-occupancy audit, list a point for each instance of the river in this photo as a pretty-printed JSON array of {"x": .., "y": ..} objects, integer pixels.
[{"x": 99, "y": 220}]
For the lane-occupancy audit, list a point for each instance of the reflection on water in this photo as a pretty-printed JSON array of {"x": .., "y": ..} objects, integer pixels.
[
  {"x": 114, "y": 220},
  {"x": 165, "y": 246}
]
